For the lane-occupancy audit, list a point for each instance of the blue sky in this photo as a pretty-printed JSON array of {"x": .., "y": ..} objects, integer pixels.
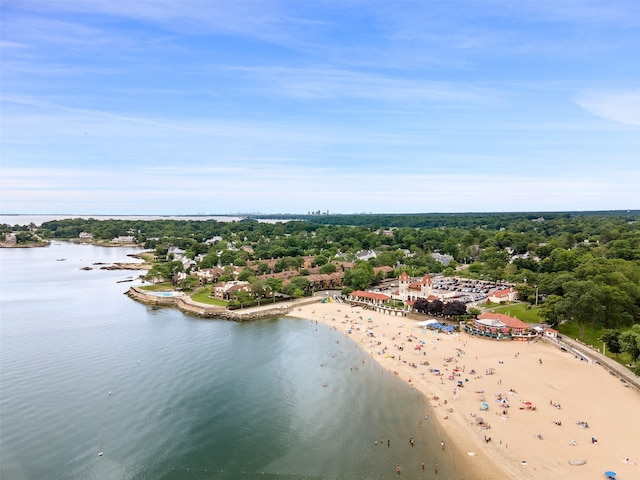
[{"x": 167, "y": 107}]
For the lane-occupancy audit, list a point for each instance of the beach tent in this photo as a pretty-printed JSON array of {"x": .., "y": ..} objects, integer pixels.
[{"x": 425, "y": 323}]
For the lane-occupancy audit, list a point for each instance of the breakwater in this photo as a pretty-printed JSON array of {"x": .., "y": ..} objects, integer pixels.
[{"x": 187, "y": 305}]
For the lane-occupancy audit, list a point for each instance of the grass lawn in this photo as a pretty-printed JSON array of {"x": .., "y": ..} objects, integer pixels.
[
  {"x": 520, "y": 311},
  {"x": 591, "y": 337},
  {"x": 203, "y": 296},
  {"x": 147, "y": 256},
  {"x": 158, "y": 287},
  {"x": 591, "y": 334}
]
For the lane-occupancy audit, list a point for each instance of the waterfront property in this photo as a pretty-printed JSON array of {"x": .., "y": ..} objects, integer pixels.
[{"x": 500, "y": 326}]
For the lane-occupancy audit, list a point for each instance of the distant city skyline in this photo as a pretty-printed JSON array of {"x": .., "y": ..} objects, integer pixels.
[{"x": 157, "y": 107}]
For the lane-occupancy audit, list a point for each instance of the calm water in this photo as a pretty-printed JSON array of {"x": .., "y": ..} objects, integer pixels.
[
  {"x": 40, "y": 219},
  {"x": 84, "y": 370}
]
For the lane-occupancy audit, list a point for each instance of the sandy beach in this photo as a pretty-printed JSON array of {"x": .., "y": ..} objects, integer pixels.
[{"x": 546, "y": 415}]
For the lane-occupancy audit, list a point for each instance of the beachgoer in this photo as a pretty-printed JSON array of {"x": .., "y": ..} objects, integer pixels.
[{"x": 398, "y": 469}]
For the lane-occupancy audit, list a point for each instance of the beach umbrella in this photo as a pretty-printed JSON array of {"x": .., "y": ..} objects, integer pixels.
[
  {"x": 485, "y": 405},
  {"x": 527, "y": 403},
  {"x": 479, "y": 420},
  {"x": 610, "y": 474}
]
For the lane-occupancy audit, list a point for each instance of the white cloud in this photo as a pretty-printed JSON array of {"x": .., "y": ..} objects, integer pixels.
[
  {"x": 621, "y": 107},
  {"x": 297, "y": 190},
  {"x": 332, "y": 83}
]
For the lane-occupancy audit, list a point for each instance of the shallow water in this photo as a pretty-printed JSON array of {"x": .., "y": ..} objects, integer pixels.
[{"x": 84, "y": 369}]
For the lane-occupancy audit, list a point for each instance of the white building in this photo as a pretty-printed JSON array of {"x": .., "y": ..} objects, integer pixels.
[{"x": 409, "y": 290}]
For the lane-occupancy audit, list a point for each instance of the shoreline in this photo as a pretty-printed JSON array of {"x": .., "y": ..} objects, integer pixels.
[{"x": 547, "y": 391}]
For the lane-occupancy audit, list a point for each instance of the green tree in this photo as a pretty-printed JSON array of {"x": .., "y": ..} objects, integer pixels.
[
  {"x": 258, "y": 288},
  {"x": 630, "y": 343},
  {"x": 297, "y": 287},
  {"x": 246, "y": 275},
  {"x": 158, "y": 273},
  {"x": 583, "y": 303},
  {"x": 360, "y": 277},
  {"x": 320, "y": 260},
  {"x": 227, "y": 257},
  {"x": 209, "y": 260},
  {"x": 473, "y": 311},
  {"x": 328, "y": 268},
  {"x": 611, "y": 339},
  {"x": 189, "y": 283}
]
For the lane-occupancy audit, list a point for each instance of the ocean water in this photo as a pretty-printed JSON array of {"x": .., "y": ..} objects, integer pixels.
[{"x": 85, "y": 370}]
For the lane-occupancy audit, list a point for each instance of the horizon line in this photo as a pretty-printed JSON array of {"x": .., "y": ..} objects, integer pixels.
[{"x": 325, "y": 214}]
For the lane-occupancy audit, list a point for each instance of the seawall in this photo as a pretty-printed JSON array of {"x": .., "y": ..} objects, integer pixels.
[{"x": 185, "y": 304}]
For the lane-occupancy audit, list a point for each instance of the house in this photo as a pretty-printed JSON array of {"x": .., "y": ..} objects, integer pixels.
[
  {"x": 365, "y": 255},
  {"x": 498, "y": 325},
  {"x": 177, "y": 252},
  {"x": 187, "y": 263},
  {"x": 209, "y": 275},
  {"x": 384, "y": 270},
  {"x": 325, "y": 281},
  {"x": 229, "y": 290},
  {"x": 369, "y": 297},
  {"x": 442, "y": 258},
  {"x": 10, "y": 239},
  {"x": 124, "y": 239},
  {"x": 503, "y": 295},
  {"x": 412, "y": 290}
]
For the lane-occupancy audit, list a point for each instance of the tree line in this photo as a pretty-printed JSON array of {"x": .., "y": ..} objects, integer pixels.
[{"x": 581, "y": 267}]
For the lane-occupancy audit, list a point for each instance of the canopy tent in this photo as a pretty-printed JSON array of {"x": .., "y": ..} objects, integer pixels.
[{"x": 425, "y": 323}]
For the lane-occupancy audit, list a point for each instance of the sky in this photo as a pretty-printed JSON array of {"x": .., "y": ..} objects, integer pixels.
[{"x": 163, "y": 107}]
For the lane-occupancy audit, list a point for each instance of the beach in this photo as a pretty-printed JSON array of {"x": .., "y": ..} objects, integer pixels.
[{"x": 505, "y": 409}]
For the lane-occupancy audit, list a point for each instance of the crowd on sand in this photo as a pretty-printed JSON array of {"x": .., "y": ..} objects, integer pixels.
[{"x": 506, "y": 409}]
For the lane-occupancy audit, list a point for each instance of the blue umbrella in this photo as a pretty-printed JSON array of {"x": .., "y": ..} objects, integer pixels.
[{"x": 610, "y": 474}]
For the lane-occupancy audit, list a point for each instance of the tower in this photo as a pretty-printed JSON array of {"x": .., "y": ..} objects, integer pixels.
[
  {"x": 426, "y": 287},
  {"x": 403, "y": 286}
]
